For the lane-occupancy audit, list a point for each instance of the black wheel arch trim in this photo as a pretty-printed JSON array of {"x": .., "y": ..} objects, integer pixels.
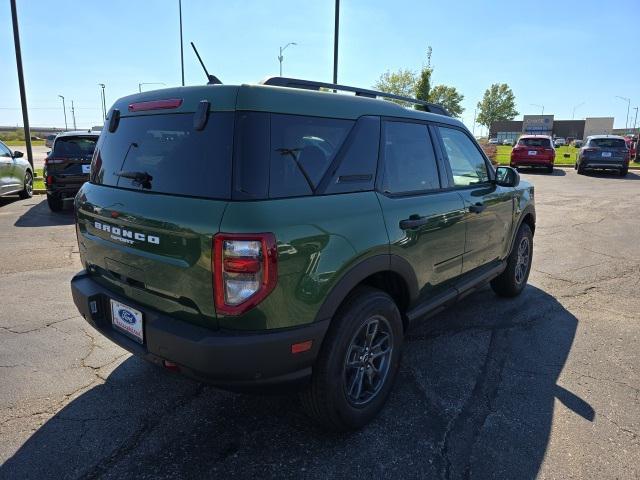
[
  {"x": 528, "y": 210},
  {"x": 362, "y": 270}
]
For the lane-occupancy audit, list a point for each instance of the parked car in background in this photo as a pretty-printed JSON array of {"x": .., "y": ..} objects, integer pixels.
[
  {"x": 559, "y": 142},
  {"x": 493, "y": 141},
  {"x": 68, "y": 165},
  {"x": 507, "y": 141},
  {"x": 577, "y": 143},
  {"x": 48, "y": 142},
  {"x": 534, "y": 151},
  {"x": 263, "y": 235},
  {"x": 16, "y": 174},
  {"x": 603, "y": 152}
]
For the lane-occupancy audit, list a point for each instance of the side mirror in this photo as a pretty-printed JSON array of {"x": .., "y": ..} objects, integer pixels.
[
  {"x": 17, "y": 154},
  {"x": 507, "y": 177}
]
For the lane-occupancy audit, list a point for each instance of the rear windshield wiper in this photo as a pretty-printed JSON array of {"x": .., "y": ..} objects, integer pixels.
[
  {"x": 141, "y": 178},
  {"x": 293, "y": 153}
]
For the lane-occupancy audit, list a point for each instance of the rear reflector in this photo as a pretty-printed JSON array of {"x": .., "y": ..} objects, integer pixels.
[
  {"x": 301, "y": 347},
  {"x": 171, "y": 366},
  {"x": 155, "y": 105}
]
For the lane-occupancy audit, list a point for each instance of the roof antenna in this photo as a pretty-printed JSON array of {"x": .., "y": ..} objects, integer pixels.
[{"x": 212, "y": 79}]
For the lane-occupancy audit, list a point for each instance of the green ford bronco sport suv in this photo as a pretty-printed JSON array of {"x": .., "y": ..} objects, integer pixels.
[{"x": 259, "y": 235}]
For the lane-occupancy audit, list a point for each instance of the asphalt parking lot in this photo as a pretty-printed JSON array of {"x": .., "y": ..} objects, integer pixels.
[{"x": 543, "y": 386}]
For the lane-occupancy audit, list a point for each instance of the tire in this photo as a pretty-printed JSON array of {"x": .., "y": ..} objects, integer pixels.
[
  {"x": 514, "y": 278},
  {"x": 624, "y": 171},
  {"x": 55, "y": 203},
  {"x": 27, "y": 192},
  {"x": 342, "y": 397},
  {"x": 550, "y": 169},
  {"x": 580, "y": 169}
]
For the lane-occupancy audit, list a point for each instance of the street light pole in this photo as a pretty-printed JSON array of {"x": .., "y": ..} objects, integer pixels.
[
  {"x": 636, "y": 117},
  {"x": 104, "y": 103},
  {"x": 23, "y": 94},
  {"x": 573, "y": 114},
  {"x": 335, "y": 42},
  {"x": 73, "y": 115},
  {"x": 181, "y": 48},
  {"x": 628, "y": 100},
  {"x": 64, "y": 109},
  {"x": 475, "y": 110},
  {"x": 280, "y": 57}
]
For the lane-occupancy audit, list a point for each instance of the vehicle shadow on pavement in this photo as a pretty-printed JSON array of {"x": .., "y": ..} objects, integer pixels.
[
  {"x": 557, "y": 172},
  {"x": 475, "y": 398},
  {"x": 632, "y": 175},
  {"x": 39, "y": 215}
]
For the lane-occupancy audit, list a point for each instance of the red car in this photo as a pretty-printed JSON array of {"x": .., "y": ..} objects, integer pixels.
[
  {"x": 534, "y": 151},
  {"x": 632, "y": 145}
]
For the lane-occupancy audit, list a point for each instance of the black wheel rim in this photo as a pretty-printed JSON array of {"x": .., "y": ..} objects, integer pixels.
[
  {"x": 28, "y": 184},
  {"x": 522, "y": 264},
  {"x": 367, "y": 362}
]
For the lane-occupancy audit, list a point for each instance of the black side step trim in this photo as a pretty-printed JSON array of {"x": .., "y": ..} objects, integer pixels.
[{"x": 451, "y": 295}]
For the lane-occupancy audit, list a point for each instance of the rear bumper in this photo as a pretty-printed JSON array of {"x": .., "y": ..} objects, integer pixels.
[
  {"x": 604, "y": 165},
  {"x": 223, "y": 358},
  {"x": 532, "y": 162}
]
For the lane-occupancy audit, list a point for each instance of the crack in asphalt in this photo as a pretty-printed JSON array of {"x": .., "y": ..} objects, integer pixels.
[
  {"x": 132, "y": 442},
  {"x": 12, "y": 328}
]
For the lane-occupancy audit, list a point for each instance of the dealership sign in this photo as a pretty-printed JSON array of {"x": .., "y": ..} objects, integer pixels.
[{"x": 537, "y": 124}]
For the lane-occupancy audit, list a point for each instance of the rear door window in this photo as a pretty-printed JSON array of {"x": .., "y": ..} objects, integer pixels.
[
  {"x": 467, "y": 163},
  {"x": 535, "y": 142},
  {"x": 302, "y": 148},
  {"x": 409, "y": 159},
  {"x": 165, "y": 154},
  {"x": 80, "y": 146}
]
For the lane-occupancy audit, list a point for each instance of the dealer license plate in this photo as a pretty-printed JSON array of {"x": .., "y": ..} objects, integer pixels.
[{"x": 127, "y": 320}]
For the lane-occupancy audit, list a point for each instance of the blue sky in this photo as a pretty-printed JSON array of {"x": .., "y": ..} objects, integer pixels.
[{"x": 559, "y": 54}]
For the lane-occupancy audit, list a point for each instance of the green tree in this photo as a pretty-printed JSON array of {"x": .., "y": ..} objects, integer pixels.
[
  {"x": 448, "y": 97},
  {"x": 498, "y": 103},
  {"x": 402, "y": 83},
  {"x": 423, "y": 86}
]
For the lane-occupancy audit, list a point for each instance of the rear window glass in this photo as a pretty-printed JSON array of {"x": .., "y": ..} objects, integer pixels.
[
  {"x": 607, "y": 143},
  {"x": 164, "y": 154},
  {"x": 302, "y": 149},
  {"x": 75, "y": 146},
  {"x": 535, "y": 142}
]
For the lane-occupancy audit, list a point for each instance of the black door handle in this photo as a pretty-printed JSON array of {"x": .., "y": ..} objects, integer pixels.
[
  {"x": 477, "y": 207},
  {"x": 413, "y": 221}
]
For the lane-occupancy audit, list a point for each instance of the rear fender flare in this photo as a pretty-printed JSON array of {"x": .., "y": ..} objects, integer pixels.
[{"x": 359, "y": 272}]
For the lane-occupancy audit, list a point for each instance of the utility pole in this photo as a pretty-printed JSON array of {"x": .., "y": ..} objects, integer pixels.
[
  {"x": 335, "y": 42},
  {"x": 23, "y": 94},
  {"x": 628, "y": 100},
  {"x": 104, "y": 103},
  {"x": 73, "y": 115},
  {"x": 64, "y": 109},
  {"x": 636, "y": 117},
  {"x": 181, "y": 49},
  {"x": 573, "y": 114}
]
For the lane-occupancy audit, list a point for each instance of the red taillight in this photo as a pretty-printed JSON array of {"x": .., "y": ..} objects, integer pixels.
[
  {"x": 245, "y": 270},
  {"x": 155, "y": 105},
  {"x": 589, "y": 150},
  {"x": 49, "y": 179}
]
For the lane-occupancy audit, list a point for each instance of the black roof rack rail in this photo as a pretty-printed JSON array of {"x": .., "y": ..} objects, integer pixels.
[{"x": 360, "y": 92}]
